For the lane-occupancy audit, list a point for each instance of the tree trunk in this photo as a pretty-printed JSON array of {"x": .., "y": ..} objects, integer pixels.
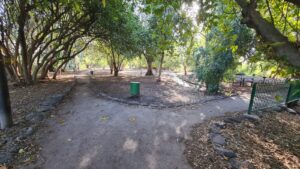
[
  {"x": 59, "y": 68},
  {"x": 284, "y": 48},
  {"x": 160, "y": 66},
  {"x": 23, "y": 44},
  {"x": 149, "y": 68},
  {"x": 185, "y": 69},
  {"x": 111, "y": 69},
  {"x": 116, "y": 69},
  {"x": 5, "y": 109}
]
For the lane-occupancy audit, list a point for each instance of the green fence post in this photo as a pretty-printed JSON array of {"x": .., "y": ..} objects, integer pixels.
[
  {"x": 288, "y": 94},
  {"x": 252, "y": 98}
]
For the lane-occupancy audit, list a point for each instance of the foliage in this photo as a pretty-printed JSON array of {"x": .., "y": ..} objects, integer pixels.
[
  {"x": 277, "y": 25},
  {"x": 217, "y": 57}
]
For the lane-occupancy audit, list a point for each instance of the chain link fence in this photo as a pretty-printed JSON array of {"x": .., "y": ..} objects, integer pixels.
[{"x": 266, "y": 95}]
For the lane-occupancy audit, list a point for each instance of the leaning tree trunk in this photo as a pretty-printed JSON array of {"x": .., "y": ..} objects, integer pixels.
[
  {"x": 284, "y": 48},
  {"x": 5, "y": 109},
  {"x": 59, "y": 68},
  {"x": 149, "y": 68},
  {"x": 160, "y": 66}
]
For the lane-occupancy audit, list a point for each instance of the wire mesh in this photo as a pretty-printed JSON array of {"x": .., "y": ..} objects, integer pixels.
[
  {"x": 294, "y": 93},
  {"x": 269, "y": 95}
]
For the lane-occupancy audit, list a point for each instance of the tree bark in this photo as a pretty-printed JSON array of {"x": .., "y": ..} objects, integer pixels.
[
  {"x": 59, "y": 67},
  {"x": 21, "y": 36},
  {"x": 295, "y": 2},
  {"x": 160, "y": 65},
  {"x": 185, "y": 69},
  {"x": 5, "y": 109},
  {"x": 283, "y": 48},
  {"x": 149, "y": 66}
]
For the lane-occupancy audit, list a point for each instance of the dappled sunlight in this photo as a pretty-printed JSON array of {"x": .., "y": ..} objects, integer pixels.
[
  {"x": 150, "y": 158},
  {"x": 202, "y": 116},
  {"x": 130, "y": 145},
  {"x": 178, "y": 128},
  {"x": 87, "y": 159}
]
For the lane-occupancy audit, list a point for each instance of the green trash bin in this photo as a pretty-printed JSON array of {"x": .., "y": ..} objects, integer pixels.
[{"x": 135, "y": 88}]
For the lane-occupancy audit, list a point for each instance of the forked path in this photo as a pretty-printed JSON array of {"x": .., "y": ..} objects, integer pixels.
[{"x": 102, "y": 134}]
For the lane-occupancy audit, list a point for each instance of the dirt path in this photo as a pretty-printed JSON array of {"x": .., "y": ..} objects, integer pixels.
[{"x": 109, "y": 135}]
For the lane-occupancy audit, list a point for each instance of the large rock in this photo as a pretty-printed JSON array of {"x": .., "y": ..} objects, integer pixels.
[
  {"x": 219, "y": 140},
  {"x": 232, "y": 120},
  {"x": 292, "y": 111},
  {"x": 214, "y": 129},
  {"x": 250, "y": 117},
  {"x": 234, "y": 163},
  {"x": 225, "y": 152}
]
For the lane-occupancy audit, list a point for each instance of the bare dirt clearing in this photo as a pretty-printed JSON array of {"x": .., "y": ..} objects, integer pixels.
[{"x": 171, "y": 91}]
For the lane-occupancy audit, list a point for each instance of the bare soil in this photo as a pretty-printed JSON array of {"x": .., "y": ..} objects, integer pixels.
[
  {"x": 25, "y": 100},
  {"x": 166, "y": 92}
]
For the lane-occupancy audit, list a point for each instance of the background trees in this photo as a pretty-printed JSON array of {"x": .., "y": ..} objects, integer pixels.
[{"x": 37, "y": 35}]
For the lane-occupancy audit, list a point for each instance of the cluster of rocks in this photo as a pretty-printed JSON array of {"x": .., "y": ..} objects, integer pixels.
[
  {"x": 133, "y": 101},
  {"x": 219, "y": 141},
  {"x": 11, "y": 144}
]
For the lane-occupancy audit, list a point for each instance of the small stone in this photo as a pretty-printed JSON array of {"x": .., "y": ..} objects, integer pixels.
[
  {"x": 225, "y": 152},
  {"x": 234, "y": 163},
  {"x": 45, "y": 108},
  {"x": 220, "y": 124},
  {"x": 247, "y": 165},
  {"x": 218, "y": 139},
  {"x": 34, "y": 117},
  {"x": 250, "y": 117},
  {"x": 215, "y": 129},
  {"x": 29, "y": 131},
  {"x": 292, "y": 111},
  {"x": 232, "y": 120}
]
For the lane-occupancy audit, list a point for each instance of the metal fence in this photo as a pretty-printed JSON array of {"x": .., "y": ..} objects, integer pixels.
[
  {"x": 294, "y": 92},
  {"x": 266, "y": 95}
]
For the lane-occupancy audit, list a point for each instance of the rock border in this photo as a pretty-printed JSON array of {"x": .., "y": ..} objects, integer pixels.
[
  {"x": 158, "y": 106},
  {"x": 219, "y": 141},
  {"x": 32, "y": 119}
]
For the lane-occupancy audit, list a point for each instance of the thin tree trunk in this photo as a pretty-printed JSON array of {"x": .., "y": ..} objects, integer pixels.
[
  {"x": 185, "y": 69},
  {"x": 5, "y": 109},
  {"x": 160, "y": 66},
  {"x": 59, "y": 67}
]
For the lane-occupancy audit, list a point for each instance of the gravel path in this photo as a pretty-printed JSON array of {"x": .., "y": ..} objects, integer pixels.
[{"x": 103, "y": 134}]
